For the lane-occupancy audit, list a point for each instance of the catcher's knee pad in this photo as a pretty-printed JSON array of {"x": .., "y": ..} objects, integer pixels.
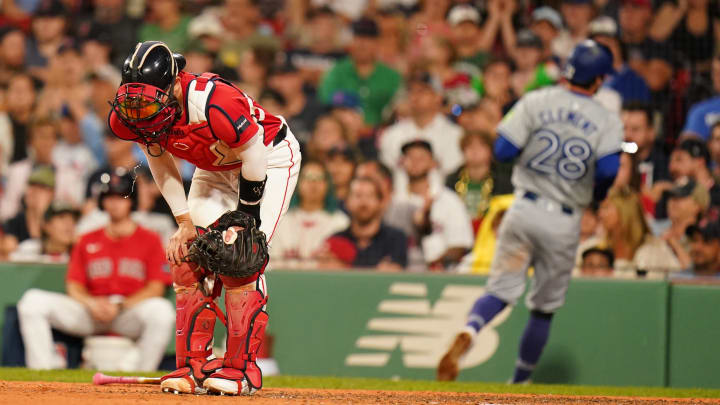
[
  {"x": 195, "y": 324},
  {"x": 186, "y": 274},
  {"x": 246, "y": 329}
]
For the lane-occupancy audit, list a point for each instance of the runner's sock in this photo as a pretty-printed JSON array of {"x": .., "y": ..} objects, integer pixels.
[
  {"x": 532, "y": 344},
  {"x": 484, "y": 310}
]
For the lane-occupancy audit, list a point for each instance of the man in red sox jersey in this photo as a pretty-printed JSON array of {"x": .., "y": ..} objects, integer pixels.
[
  {"x": 116, "y": 279},
  {"x": 247, "y": 159}
]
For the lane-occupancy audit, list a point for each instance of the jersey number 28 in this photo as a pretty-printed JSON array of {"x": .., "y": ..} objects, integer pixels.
[{"x": 572, "y": 165}]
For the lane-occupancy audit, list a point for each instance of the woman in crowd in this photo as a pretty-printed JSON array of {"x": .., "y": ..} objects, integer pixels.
[
  {"x": 306, "y": 226},
  {"x": 636, "y": 251}
]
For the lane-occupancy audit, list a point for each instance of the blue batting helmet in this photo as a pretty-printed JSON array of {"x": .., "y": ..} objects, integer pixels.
[{"x": 587, "y": 61}]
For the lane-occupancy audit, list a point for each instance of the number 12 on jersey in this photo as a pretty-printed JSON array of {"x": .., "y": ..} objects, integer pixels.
[{"x": 571, "y": 165}]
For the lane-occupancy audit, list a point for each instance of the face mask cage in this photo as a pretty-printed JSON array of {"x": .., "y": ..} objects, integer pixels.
[{"x": 148, "y": 111}]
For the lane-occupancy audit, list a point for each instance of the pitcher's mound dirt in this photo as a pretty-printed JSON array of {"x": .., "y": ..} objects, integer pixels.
[{"x": 47, "y": 393}]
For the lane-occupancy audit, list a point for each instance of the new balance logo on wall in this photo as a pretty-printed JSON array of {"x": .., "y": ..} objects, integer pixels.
[{"x": 425, "y": 331}]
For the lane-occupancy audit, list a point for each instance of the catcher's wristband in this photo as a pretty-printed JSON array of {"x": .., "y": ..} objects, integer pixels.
[{"x": 251, "y": 192}]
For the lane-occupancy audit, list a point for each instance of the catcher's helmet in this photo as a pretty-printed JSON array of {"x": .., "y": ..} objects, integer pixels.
[
  {"x": 588, "y": 61},
  {"x": 145, "y": 102}
]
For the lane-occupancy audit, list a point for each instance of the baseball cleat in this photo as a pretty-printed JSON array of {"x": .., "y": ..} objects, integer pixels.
[
  {"x": 177, "y": 386},
  {"x": 448, "y": 367},
  {"x": 222, "y": 386}
]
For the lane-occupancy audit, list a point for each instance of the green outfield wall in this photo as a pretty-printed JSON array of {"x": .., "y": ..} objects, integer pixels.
[{"x": 610, "y": 332}]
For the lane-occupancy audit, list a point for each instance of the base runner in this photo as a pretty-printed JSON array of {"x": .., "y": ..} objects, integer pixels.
[
  {"x": 566, "y": 148},
  {"x": 247, "y": 160}
]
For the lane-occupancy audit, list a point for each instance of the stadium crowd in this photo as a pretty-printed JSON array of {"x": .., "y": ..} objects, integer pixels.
[{"x": 395, "y": 103}]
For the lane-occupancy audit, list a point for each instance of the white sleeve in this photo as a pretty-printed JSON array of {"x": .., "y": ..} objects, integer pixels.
[
  {"x": 254, "y": 159},
  {"x": 167, "y": 177},
  {"x": 611, "y": 140},
  {"x": 458, "y": 226}
]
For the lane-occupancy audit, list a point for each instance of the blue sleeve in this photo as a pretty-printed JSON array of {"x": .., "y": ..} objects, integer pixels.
[
  {"x": 92, "y": 132},
  {"x": 505, "y": 150},
  {"x": 606, "y": 168},
  {"x": 695, "y": 123}
]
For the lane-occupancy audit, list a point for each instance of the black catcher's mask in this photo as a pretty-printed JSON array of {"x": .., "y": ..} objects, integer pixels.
[{"x": 145, "y": 102}]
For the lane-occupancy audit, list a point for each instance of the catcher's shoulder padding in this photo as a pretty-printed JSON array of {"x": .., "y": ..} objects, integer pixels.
[{"x": 220, "y": 251}]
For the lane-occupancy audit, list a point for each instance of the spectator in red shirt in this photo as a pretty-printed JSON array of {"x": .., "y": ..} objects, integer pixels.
[{"x": 115, "y": 283}]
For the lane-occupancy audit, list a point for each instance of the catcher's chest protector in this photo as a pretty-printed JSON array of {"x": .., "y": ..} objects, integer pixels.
[{"x": 246, "y": 331}]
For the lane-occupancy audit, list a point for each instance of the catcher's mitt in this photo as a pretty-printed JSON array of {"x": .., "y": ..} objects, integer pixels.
[{"x": 233, "y": 246}]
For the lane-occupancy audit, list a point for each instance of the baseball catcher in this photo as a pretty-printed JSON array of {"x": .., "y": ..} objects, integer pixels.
[{"x": 247, "y": 166}]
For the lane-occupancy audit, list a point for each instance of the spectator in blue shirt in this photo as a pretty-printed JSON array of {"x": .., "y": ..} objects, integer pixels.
[{"x": 704, "y": 114}]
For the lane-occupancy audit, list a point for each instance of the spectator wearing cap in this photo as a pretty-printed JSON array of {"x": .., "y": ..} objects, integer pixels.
[
  {"x": 695, "y": 45},
  {"x": 626, "y": 81},
  {"x": 320, "y": 44},
  {"x": 12, "y": 53},
  {"x": 597, "y": 262},
  {"x": 27, "y": 223},
  {"x": 438, "y": 241},
  {"x": 368, "y": 243},
  {"x": 531, "y": 71},
  {"x": 650, "y": 156},
  {"x": 166, "y": 23},
  {"x": 373, "y": 82},
  {"x": 341, "y": 163},
  {"x": 115, "y": 282},
  {"x": 313, "y": 219},
  {"x": 577, "y": 15},
  {"x": 42, "y": 142},
  {"x": 56, "y": 240},
  {"x": 426, "y": 122},
  {"x": 691, "y": 160},
  {"x": 704, "y": 251},
  {"x": 301, "y": 110},
  {"x": 49, "y": 29},
  {"x": 645, "y": 56},
  {"x": 464, "y": 21},
  {"x": 704, "y": 113},
  {"x": 547, "y": 24}
]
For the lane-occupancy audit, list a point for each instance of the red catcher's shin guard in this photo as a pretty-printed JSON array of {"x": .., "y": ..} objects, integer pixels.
[
  {"x": 246, "y": 329},
  {"x": 195, "y": 323}
]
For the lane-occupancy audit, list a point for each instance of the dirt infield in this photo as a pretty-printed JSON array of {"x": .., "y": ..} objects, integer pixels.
[{"x": 47, "y": 393}]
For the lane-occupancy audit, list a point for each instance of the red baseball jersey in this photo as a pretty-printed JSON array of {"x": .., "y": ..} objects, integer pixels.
[
  {"x": 216, "y": 116},
  {"x": 123, "y": 266}
]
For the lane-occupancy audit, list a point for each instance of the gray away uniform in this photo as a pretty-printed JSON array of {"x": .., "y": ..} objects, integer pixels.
[{"x": 561, "y": 134}]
